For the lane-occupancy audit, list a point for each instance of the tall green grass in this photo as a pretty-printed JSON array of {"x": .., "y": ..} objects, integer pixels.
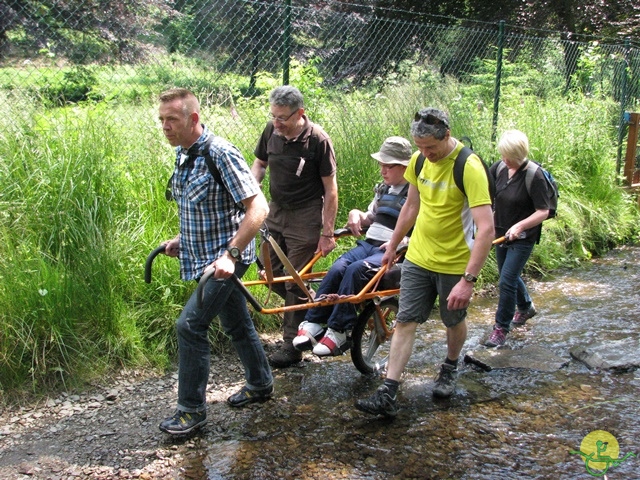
[{"x": 82, "y": 196}]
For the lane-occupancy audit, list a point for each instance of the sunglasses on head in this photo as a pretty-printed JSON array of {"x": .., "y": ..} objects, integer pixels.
[{"x": 429, "y": 119}]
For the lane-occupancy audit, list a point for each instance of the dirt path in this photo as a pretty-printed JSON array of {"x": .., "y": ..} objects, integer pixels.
[{"x": 111, "y": 431}]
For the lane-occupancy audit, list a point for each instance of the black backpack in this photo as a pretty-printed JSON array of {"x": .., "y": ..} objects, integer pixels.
[
  {"x": 551, "y": 183},
  {"x": 458, "y": 169}
]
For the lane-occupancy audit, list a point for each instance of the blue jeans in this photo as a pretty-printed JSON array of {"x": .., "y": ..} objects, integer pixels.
[
  {"x": 347, "y": 276},
  {"x": 221, "y": 298},
  {"x": 511, "y": 260}
]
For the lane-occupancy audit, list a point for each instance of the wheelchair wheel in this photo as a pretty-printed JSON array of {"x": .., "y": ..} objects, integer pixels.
[{"x": 371, "y": 336}]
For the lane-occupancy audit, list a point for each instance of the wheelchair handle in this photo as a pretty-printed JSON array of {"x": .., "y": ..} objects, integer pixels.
[
  {"x": 236, "y": 281},
  {"x": 149, "y": 262}
]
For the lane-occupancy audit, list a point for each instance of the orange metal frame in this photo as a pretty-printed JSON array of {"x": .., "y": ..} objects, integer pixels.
[{"x": 368, "y": 292}]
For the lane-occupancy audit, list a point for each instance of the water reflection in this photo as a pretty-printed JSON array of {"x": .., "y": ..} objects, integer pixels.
[{"x": 506, "y": 423}]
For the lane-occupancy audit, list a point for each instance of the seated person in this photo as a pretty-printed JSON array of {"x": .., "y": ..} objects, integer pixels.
[{"x": 351, "y": 272}]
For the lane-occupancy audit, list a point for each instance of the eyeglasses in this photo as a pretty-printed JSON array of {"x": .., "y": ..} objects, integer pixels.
[
  {"x": 281, "y": 119},
  {"x": 387, "y": 166},
  {"x": 430, "y": 119}
]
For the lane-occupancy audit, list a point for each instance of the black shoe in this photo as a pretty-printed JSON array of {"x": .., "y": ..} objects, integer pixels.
[
  {"x": 445, "y": 381},
  {"x": 246, "y": 396},
  {"x": 183, "y": 422},
  {"x": 286, "y": 356},
  {"x": 380, "y": 403}
]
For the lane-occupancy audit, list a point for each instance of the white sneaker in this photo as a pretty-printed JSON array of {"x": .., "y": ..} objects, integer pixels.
[
  {"x": 308, "y": 335},
  {"x": 333, "y": 343}
]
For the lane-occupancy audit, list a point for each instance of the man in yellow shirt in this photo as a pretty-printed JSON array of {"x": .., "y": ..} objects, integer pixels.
[{"x": 449, "y": 245}]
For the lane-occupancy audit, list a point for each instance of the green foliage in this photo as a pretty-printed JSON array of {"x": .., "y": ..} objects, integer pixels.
[
  {"x": 179, "y": 32},
  {"x": 518, "y": 79},
  {"x": 83, "y": 198},
  {"x": 81, "y": 31},
  {"x": 75, "y": 86},
  {"x": 574, "y": 138},
  {"x": 306, "y": 77},
  {"x": 61, "y": 310}
]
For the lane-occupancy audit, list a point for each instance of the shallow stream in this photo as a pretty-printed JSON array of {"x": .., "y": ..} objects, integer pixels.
[{"x": 504, "y": 423}]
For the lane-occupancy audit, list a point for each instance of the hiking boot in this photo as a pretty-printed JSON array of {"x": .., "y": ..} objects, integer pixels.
[
  {"x": 183, "y": 422},
  {"x": 285, "y": 356},
  {"x": 246, "y": 396},
  {"x": 333, "y": 343},
  {"x": 498, "y": 337},
  {"x": 520, "y": 318},
  {"x": 445, "y": 381},
  {"x": 380, "y": 403},
  {"x": 308, "y": 336}
]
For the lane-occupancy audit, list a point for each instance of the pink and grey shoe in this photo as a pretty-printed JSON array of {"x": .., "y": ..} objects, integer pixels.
[
  {"x": 520, "y": 318},
  {"x": 497, "y": 338}
]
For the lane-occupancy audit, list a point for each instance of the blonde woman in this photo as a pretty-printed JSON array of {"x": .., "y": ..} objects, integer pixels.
[{"x": 518, "y": 215}]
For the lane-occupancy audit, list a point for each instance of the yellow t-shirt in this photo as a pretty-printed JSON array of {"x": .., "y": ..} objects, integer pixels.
[{"x": 443, "y": 234}]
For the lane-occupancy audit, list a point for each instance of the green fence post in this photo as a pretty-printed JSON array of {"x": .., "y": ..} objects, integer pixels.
[
  {"x": 287, "y": 43},
  {"x": 496, "y": 90},
  {"x": 623, "y": 105}
]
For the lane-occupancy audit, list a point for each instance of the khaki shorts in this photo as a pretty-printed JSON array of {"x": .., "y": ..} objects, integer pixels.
[{"x": 419, "y": 289}]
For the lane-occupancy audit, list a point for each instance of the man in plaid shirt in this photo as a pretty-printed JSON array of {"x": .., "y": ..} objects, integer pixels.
[{"x": 221, "y": 208}]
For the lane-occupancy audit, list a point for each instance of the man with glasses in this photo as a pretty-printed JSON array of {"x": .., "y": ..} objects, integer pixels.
[
  {"x": 304, "y": 199},
  {"x": 452, "y": 235},
  {"x": 351, "y": 272}
]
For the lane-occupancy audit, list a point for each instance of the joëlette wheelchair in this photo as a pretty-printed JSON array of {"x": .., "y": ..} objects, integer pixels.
[{"x": 376, "y": 303}]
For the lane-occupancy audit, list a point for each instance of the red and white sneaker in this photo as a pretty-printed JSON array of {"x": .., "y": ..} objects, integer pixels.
[
  {"x": 333, "y": 343},
  {"x": 308, "y": 336}
]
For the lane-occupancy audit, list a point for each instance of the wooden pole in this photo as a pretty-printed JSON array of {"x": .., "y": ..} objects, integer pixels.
[{"x": 632, "y": 148}]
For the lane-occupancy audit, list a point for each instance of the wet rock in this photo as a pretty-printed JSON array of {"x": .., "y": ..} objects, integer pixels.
[
  {"x": 616, "y": 355},
  {"x": 533, "y": 358}
]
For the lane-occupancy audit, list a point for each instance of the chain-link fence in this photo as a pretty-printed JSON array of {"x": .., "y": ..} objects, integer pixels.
[
  {"x": 84, "y": 165},
  {"x": 232, "y": 52}
]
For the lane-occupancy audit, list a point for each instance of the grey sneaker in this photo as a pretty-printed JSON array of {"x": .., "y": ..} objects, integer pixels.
[
  {"x": 520, "y": 318},
  {"x": 181, "y": 422},
  {"x": 445, "y": 381},
  {"x": 380, "y": 403}
]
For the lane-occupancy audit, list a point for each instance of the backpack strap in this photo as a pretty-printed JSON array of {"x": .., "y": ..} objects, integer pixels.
[
  {"x": 419, "y": 164},
  {"x": 529, "y": 173},
  {"x": 467, "y": 141},
  {"x": 205, "y": 152},
  {"x": 458, "y": 168}
]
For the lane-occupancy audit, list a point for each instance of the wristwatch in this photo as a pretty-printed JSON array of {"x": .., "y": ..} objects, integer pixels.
[
  {"x": 234, "y": 252},
  {"x": 470, "y": 278}
]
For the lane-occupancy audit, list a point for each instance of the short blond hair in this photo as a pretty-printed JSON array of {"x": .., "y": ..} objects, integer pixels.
[
  {"x": 514, "y": 145},
  {"x": 190, "y": 103}
]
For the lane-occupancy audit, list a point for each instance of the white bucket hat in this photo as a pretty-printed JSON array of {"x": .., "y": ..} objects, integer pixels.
[{"x": 394, "y": 150}]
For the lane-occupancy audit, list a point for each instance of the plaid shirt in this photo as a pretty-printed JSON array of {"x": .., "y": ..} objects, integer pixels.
[{"x": 210, "y": 213}]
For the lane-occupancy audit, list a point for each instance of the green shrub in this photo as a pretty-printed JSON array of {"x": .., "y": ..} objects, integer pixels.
[{"x": 82, "y": 194}]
